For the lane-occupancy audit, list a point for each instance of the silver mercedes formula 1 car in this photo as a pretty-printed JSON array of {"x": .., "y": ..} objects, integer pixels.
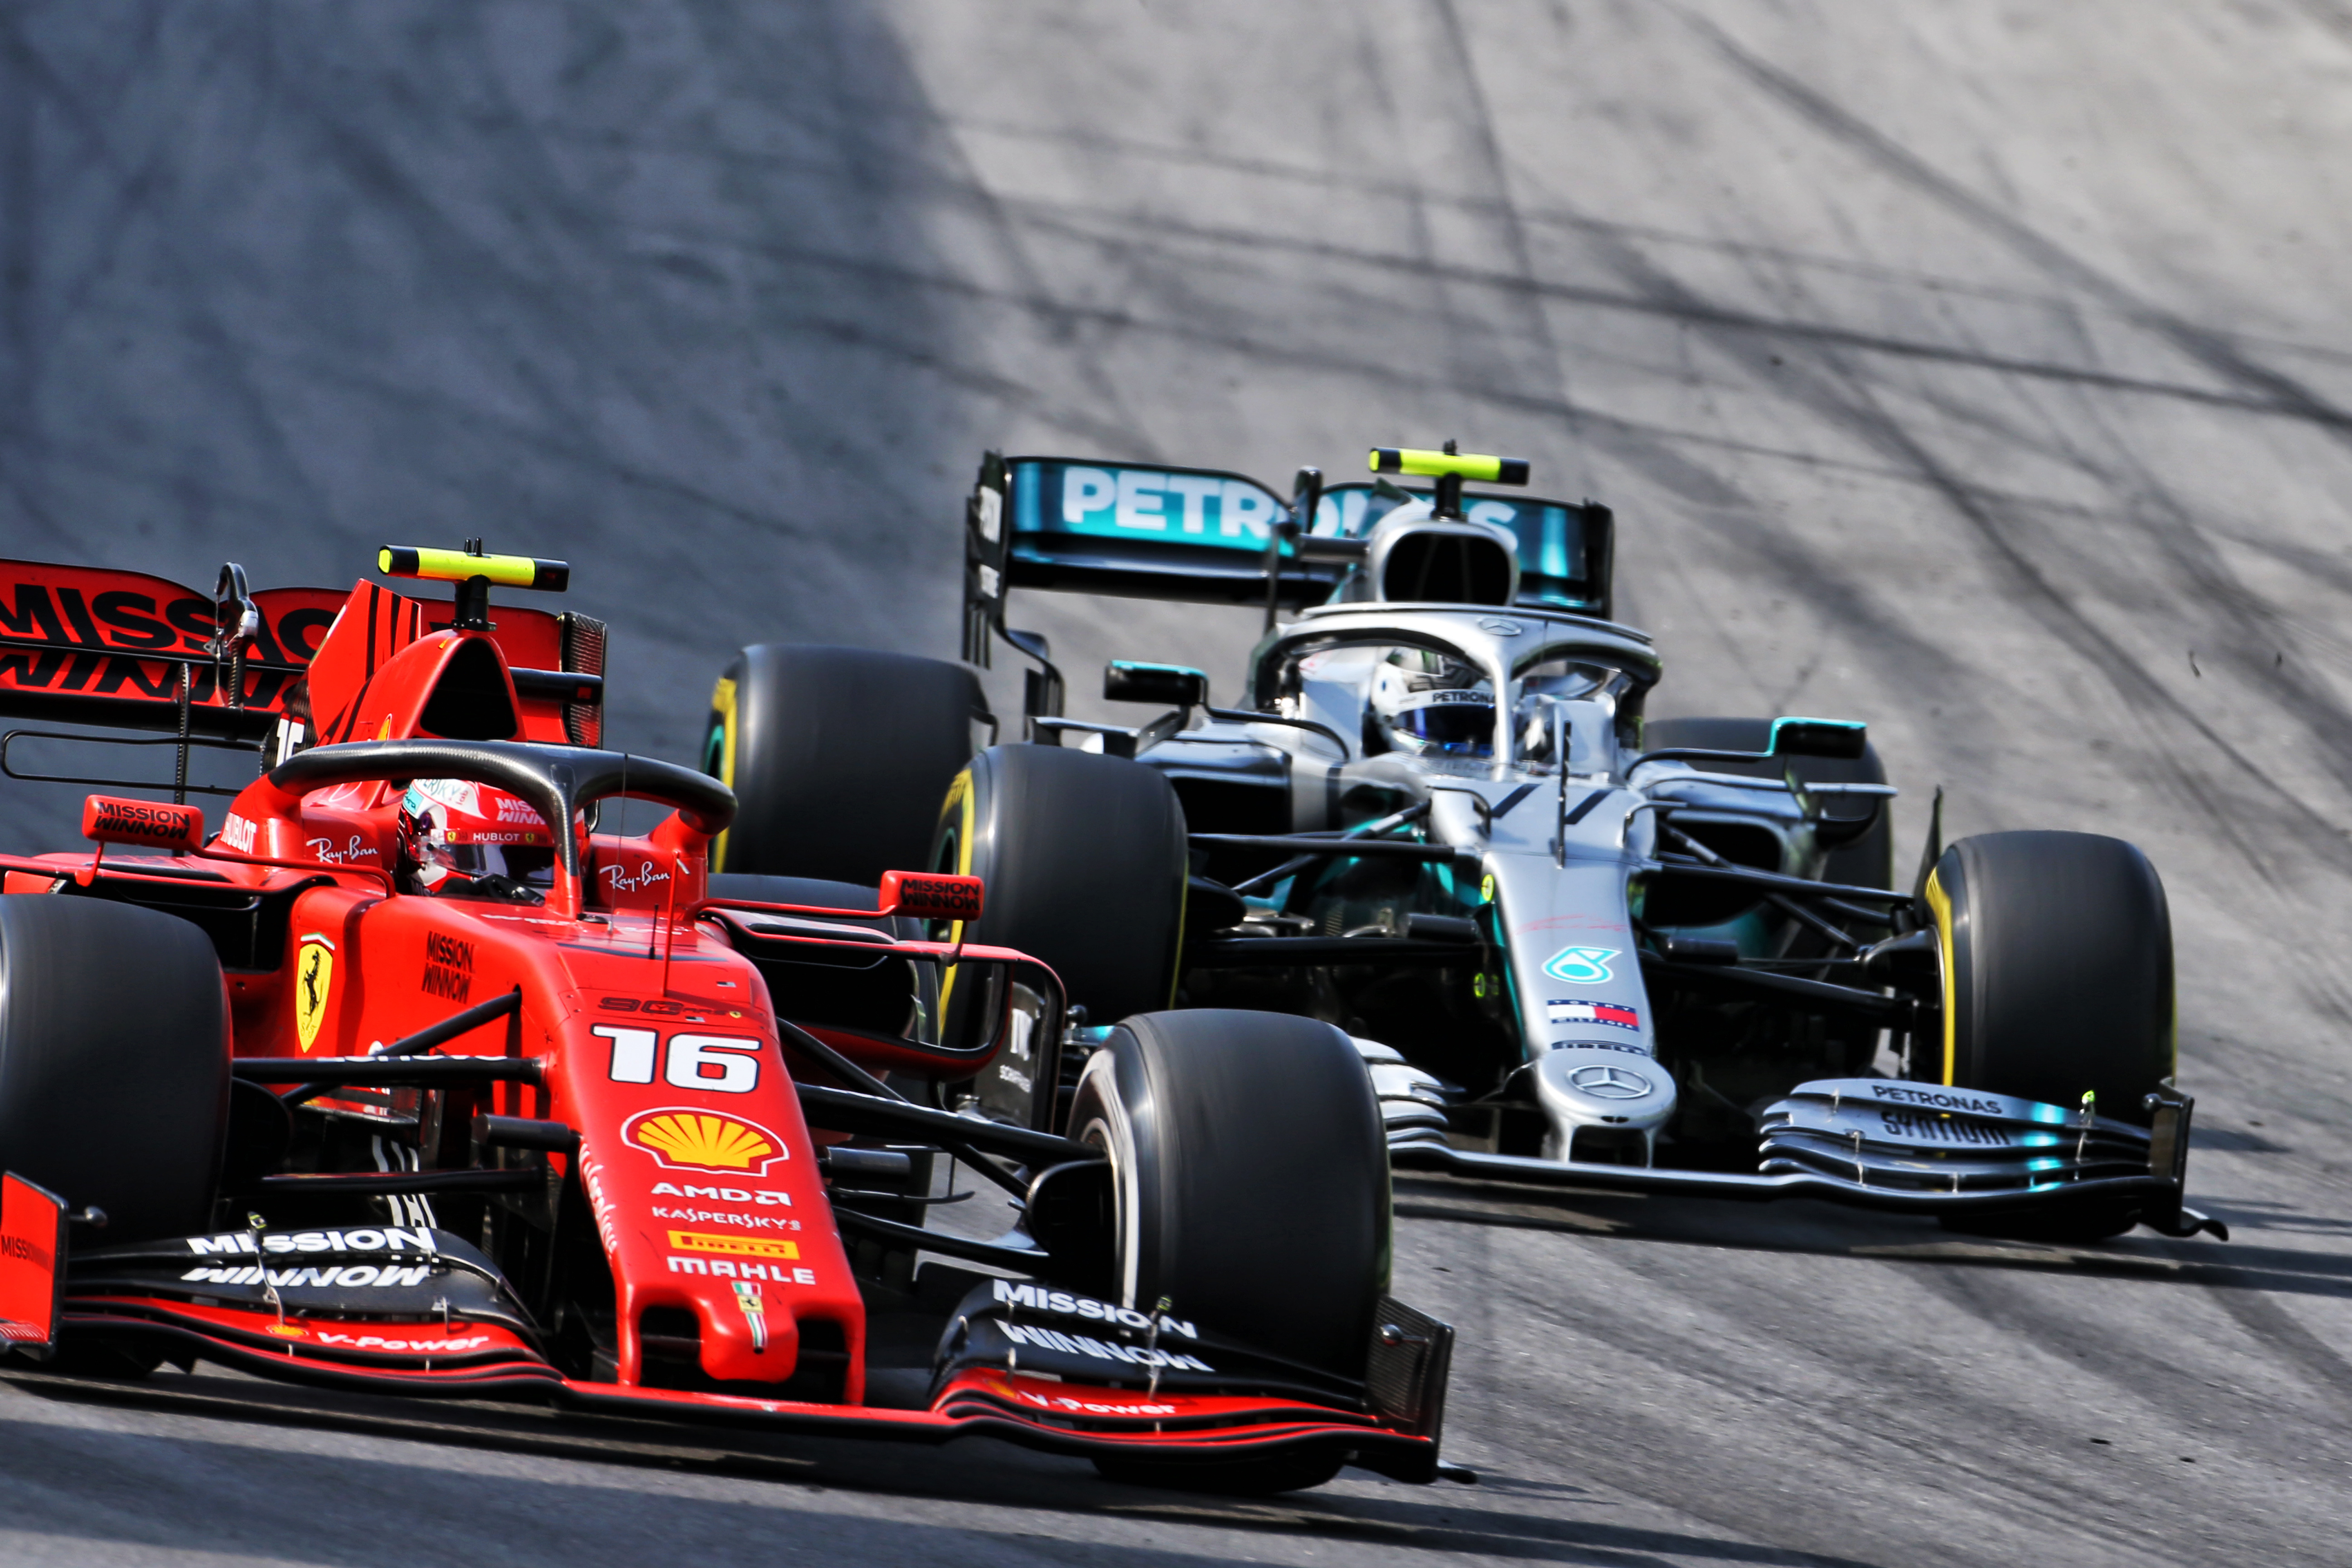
[{"x": 1573, "y": 947}]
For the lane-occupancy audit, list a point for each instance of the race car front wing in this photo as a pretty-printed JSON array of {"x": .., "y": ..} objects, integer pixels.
[
  {"x": 1891, "y": 1145},
  {"x": 420, "y": 1311}
]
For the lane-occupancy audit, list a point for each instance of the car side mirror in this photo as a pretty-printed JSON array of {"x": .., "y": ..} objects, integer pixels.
[
  {"x": 110, "y": 819},
  {"x": 1177, "y": 685},
  {"x": 931, "y": 896},
  {"x": 1844, "y": 740}
]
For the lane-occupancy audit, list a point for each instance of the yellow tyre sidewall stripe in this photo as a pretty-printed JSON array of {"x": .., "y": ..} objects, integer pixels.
[
  {"x": 1940, "y": 903},
  {"x": 722, "y": 705},
  {"x": 963, "y": 803}
]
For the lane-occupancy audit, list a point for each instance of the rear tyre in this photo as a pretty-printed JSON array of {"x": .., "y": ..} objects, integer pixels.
[
  {"x": 1083, "y": 861},
  {"x": 837, "y": 757},
  {"x": 114, "y": 1061},
  {"x": 816, "y": 893},
  {"x": 1250, "y": 1188},
  {"x": 2057, "y": 963},
  {"x": 1867, "y": 861},
  {"x": 881, "y": 997}
]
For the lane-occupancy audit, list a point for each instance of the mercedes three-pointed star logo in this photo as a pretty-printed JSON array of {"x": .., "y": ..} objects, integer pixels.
[{"x": 1607, "y": 1080}]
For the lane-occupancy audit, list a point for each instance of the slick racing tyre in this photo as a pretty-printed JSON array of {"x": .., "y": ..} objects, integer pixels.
[
  {"x": 837, "y": 757},
  {"x": 881, "y": 995},
  {"x": 1083, "y": 859},
  {"x": 1250, "y": 1188},
  {"x": 2057, "y": 952},
  {"x": 817, "y": 894},
  {"x": 114, "y": 1061},
  {"x": 2057, "y": 979},
  {"x": 1867, "y": 861}
]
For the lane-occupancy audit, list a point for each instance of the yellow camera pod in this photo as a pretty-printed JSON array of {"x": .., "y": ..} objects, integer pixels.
[
  {"x": 457, "y": 566},
  {"x": 1450, "y": 464}
]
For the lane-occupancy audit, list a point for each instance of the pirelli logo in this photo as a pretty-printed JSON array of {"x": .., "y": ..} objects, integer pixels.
[{"x": 733, "y": 1246}]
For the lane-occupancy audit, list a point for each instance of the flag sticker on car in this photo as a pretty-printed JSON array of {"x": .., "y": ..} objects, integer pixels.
[{"x": 1594, "y": 1013}]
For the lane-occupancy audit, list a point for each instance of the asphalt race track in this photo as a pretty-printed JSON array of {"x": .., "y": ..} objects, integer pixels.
[{"x": 1980, "y": 370}]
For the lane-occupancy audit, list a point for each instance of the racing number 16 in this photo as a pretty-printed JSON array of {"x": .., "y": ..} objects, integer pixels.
[{"x": 723, "y": 1064}]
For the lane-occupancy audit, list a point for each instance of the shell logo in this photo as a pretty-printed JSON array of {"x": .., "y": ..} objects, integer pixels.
[
  {"x": 286, "y": 1331},
  {"x": 682, "y": 1139}
]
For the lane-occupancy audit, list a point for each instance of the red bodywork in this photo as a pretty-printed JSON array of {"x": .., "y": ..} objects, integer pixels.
[{"x": 657, "y": 1041}]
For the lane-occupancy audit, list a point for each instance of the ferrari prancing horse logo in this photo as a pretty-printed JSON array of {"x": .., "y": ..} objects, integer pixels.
[{"x": 314, "y": 981}]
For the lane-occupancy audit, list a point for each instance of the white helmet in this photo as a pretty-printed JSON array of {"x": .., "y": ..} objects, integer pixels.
[{"x": 1432, "y": 704}]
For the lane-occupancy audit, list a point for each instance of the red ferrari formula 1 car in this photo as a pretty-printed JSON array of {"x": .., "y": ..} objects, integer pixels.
[{"x": 425, "y": 1073}]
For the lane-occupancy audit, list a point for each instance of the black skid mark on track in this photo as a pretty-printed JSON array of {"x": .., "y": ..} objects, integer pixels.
[
  {"x": 2318, "y": 1365},
  {"x": 2213, "y": 350},
  {"x": 2252, "y": 626},
  {"x": 138, "y": 194},
  {"x": 294, "y": 1495},
  {"x": 2126, "y": 1374},
  {"x": 2238, "y": 624},
  {"x": 1839, "y": 394},
  {"x": 1495, "y": 171},
  {"x": 1915, "y": 661}
]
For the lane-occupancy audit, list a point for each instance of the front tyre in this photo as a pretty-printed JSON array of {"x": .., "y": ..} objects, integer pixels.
[
  {"x": 2057, "y": 978},
  {"x": 1866, "y": 861},
  {"x": 1863, "y": 860},
  {"x": 1250, "y": 1189},
  {"x": 114, "y": 1061}
]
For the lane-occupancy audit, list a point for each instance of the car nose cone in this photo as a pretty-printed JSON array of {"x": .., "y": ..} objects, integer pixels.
[
  {"x": 1607, "y": 1080},
  {"x": 1596, "y": 1085}
]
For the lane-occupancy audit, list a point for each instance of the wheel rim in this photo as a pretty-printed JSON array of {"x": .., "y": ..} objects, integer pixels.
[{"x": 1103, "y": 1124}]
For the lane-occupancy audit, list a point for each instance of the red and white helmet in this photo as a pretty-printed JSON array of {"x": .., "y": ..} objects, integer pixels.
[{"x": 459, "y": 834}]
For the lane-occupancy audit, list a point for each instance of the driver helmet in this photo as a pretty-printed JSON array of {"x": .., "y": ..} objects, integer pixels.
[
  {"x": 475, "y": 837},
  {"x": 1433, "y": 704}
]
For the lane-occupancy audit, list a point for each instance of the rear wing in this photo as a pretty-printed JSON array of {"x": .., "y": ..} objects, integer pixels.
[
  {"x": 88, "y": 645},
  {"x": 1205, "y": 536}
]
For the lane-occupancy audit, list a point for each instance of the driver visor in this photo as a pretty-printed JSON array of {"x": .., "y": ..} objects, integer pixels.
[
  {"x": 1460, "y": 725},
  {"x": 533, "y": 865}
]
